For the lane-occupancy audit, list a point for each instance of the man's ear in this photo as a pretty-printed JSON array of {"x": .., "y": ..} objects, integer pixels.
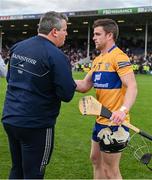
[
  {"x": 110, "y": 35},
  {"x": 54, "y": 32}
]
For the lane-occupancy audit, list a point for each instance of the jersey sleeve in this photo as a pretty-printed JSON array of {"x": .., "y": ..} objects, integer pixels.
[{"x": 122, "y": 64}]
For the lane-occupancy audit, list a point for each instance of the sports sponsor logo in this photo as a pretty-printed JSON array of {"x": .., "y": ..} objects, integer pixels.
[
  {"x": 97, "y": 85},
  {"x": 97, "y": 77}
]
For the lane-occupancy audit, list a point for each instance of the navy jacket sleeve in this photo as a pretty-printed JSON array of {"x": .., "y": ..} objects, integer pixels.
[{"x": 63, "y": 81}]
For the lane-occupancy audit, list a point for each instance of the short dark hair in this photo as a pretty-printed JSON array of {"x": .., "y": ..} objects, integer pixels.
[
  {"x": 109, "y": 26},
  {"x": 51, "y": 20}
]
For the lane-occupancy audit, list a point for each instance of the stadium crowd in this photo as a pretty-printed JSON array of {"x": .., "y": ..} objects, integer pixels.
[{"x": 140, "y": 63}]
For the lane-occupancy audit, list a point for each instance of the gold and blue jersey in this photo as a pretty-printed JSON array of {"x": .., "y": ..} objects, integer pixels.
[{"x": 106, "y": 72}]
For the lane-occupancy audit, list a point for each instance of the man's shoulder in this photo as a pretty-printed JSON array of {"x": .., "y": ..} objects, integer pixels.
[
  {"x": 56, "y": 53},
  {"x": 97, "y": 59},
  {"x": 118, "y": 53},
  {"x": 22, "y": 42}
]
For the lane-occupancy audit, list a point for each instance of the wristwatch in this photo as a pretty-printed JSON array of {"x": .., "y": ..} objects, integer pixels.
[{"x": 124, "y": 109}]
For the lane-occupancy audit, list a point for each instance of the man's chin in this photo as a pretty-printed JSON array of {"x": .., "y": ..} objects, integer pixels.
[
  {"x": 60, "y": 45},
  {"x": 97, "y": 47}
]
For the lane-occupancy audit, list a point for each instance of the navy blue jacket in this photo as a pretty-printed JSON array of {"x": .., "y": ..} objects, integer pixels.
[{"x": 39, "y": 78}]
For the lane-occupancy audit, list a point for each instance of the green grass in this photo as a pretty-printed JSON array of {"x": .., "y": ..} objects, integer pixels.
[{"x": 70, "y": 159}]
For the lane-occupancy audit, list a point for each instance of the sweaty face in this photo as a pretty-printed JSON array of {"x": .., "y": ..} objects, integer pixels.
[
  {"x": 100, "y": 38},
  {"x": 62, "y": 33}
]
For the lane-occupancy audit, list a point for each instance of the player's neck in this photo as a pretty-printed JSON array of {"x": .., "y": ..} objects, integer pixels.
[{"x": 109, "y": 46}]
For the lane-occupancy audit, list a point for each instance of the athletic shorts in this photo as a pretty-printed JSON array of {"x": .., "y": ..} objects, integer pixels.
[{"x": 112, "y": 139}]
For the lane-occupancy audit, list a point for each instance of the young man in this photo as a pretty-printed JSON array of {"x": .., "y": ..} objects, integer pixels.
[
  {"x": 39, "y": 78},
  {"x": 113, "y": 78}
]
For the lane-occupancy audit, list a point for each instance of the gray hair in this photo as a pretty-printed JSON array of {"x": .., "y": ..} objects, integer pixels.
[{"x": 51, "y": 20}]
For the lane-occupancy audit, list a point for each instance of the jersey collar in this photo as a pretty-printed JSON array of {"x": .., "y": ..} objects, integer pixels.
[{"x": 113, "y": 47}]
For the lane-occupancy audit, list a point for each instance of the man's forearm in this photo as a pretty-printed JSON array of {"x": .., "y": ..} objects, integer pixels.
[
  {"x": 82, "y": 86},
  {"x": 130, "y": 96}
]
